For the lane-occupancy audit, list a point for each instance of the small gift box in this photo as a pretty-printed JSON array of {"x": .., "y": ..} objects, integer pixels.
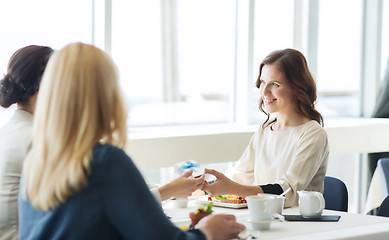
[{"x": 182, "y": 167}]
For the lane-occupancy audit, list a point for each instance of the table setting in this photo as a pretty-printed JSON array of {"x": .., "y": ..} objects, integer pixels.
[{"x": 265, "y": 218}]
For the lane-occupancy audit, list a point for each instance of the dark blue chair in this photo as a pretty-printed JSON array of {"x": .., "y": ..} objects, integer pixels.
[
  {"x": 383, "y": 210},
  {"x": 335, "y": 194}
]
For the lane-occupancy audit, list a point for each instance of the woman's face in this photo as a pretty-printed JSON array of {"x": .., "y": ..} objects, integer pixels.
[{"x": 275, "y": 91}]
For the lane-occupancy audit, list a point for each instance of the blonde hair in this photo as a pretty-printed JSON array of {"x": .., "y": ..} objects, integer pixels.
[{"x": 79, "y": 105}]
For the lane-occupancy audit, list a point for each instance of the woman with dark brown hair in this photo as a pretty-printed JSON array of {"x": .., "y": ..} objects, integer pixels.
[
  {"x": 19, "y": 86},
  {"x": 290, "y": 149}
]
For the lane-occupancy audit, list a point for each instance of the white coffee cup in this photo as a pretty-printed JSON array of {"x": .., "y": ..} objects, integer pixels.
[
  {"x": 311, "y": 204},
  {"x": 179, "y": 202},
  {"x": 260, "y": 211},
  {"x": 278, "y": 202}
]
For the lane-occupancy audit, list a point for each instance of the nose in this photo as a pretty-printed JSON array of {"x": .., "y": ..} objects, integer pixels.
[{"x": 264, "y": 89}]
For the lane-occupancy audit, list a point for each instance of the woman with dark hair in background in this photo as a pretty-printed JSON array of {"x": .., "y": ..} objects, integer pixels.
[
  {"x": 289, "y": 150},
  {"x": 20, "y": 85}
]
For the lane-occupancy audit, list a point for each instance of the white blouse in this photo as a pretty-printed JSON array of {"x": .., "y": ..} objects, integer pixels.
[
  {"x": 296, "y": 158},
  {"x": 15, "y": 141}
]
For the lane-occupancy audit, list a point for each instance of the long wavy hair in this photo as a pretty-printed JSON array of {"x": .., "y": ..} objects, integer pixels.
[
  {"x": 294, "y": 66},
  {"x": 79, "y": 105}
]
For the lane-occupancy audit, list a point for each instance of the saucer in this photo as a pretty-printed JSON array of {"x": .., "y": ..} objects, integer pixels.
[{"x": 259, "y": 225}]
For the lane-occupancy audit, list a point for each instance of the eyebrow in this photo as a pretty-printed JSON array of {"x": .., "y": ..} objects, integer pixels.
[{"x": 272, "y": 81}]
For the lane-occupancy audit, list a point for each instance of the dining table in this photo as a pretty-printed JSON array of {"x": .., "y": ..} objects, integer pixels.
[{"x": 349, "y": 226}]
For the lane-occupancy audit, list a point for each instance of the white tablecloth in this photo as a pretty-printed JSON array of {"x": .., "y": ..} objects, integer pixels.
[{"x": 350, "y": 226}]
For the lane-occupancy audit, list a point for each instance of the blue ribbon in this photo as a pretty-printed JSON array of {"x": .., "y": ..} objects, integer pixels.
[{"x": 188, "y": 165}]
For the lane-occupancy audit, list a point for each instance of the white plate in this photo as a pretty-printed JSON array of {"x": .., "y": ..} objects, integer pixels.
[{"x": 204, "y": 200}]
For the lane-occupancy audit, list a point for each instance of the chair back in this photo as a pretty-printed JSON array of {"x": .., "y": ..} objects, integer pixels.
[
  {"x": 335, "y": 194},
  {"x": 383, "y": 170},
  {"x": 383, "y": 210}
]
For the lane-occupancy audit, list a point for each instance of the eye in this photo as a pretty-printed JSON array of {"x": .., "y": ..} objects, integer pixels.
[
  {"x": 261, "y": 83},
  {"x": 275, "y": 85}
]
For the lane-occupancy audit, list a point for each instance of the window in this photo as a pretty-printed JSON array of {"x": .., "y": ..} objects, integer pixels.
[
  {"x": 270, "y": 33},
  {"x": 385, "y": 38},
  {"x": 41, "y": 22},
  {"x": 183, "y": 62},
  {"x": 176, "y": 59},
  {"x": 339, "y": 57},
  {"x": 273, "y": 28},
  {"x": 205, "y": 59},
  {"x": 137, "y": 50}
]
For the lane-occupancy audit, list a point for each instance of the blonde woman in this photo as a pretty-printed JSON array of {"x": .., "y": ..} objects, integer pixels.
[{"x": 78, "y": 182}]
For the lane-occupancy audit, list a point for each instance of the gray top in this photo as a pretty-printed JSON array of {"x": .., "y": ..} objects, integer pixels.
[{"x": 15, "y": 140}]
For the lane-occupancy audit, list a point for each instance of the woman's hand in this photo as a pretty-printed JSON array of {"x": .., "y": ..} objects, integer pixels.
[
  {"x": 182, "y": 186},
  {"x": 220, "y": 226},
  {"x": 222, "y": 184}
]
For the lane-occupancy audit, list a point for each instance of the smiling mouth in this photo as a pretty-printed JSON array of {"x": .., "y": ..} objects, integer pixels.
[{"x": 268, "y": 101}]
